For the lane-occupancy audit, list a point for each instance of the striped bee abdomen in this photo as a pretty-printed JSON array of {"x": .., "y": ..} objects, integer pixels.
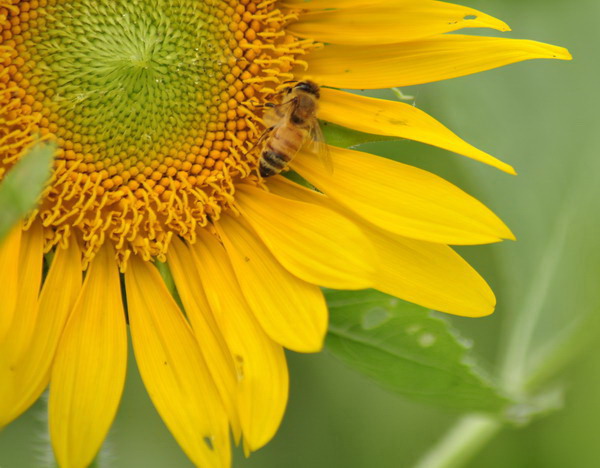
[{"x": 272, "y": 163}]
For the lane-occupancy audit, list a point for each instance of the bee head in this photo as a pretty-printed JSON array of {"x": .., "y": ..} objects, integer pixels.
[{"x": 309, "y": 87}]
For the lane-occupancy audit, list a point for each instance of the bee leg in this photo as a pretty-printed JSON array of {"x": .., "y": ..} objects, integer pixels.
[
  {"x": 262, "y": 138},
  {"x": 256, "y": 105},
  {"x": 267, "y": 104}
]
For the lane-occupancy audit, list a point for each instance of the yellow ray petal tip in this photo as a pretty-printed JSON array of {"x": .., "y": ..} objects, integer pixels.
[
  {"x": 556, "y": 52},
  {"x": 495, "y": 23},
  {"x": 566, "y": 55},
  {"x": 508, "y": 169},
  {"x": 508, "y": 234}
]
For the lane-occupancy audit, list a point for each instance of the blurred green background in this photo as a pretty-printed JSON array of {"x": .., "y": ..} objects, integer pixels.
[{"x": 539, "y": 116}]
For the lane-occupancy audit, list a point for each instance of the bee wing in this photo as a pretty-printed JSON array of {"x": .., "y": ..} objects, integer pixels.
[
  {"x": 274, "y": 115},
  {"x": 319, "y": 146}
]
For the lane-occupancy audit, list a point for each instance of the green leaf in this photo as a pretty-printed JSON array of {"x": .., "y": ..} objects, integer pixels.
[
  {"x": 167, "y": 276},
  {"x": 408, "y": 350},
  {"x": 23, "y": 185},
  {"x": 345, "y": 137}
]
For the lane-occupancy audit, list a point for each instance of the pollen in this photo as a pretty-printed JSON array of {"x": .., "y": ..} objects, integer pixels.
[{"x": 155, "y": 106}]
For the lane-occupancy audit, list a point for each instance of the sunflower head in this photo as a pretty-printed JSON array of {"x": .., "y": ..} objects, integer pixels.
[
  {"x": 155, "y": 107},
  {"x": 162, "y": 111}
]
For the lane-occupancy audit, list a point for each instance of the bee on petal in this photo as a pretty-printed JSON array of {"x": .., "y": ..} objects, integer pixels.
[{"x": 290, "y": 126}]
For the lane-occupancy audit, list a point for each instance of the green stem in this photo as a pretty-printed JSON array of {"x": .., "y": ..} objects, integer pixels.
[
  {"x": 515, "y": 364},
  {"x": 461, "y": 442},
  {"x": 473, "y": 431}
]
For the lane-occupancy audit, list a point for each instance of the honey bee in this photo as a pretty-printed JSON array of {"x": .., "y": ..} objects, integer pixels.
[{"x": 290, "y": 125}]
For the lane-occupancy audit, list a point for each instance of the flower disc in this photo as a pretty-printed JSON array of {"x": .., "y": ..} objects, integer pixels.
[{"x": 152, "y": 106}]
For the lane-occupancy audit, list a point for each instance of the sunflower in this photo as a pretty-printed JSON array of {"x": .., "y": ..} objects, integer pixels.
[{"x": 157, "y": 109}]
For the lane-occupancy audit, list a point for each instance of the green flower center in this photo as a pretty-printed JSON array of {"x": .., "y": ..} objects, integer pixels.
[{"x": 129, "y": 77}]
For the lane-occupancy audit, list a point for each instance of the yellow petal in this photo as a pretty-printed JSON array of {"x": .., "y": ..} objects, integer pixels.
[
  {"x": 311, "y": 242},
  {"x": 409, "y": 63},
  {"x": 9, "y": 278},
  {"x": 390, "y": 22},
  {"x": 382, "y": 117},
  {"x": 431, "y": 275},
  {"x": 283, "y": 187},
  {"x": 212, "y": 344},
  {"x": 261, "y": 370},
  {"x": 403, "y": 199},
  {"x": 428, "y": 274},
  {"x": 291, "y": 311},
  {"x": 31, "y": 257},
  {"x": 89, "y": 368},
  {"x": 22, "y": 382},
  {"x": 173, "y": 370}
]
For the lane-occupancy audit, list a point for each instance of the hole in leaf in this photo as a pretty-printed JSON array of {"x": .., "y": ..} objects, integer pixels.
[
  {"x": 374, "y": 318},
  {"x": 412, "y": 329},
  {"x": 426, "y": 340},
  {"x": 208, "y": 440},
  {"x": 239, "y": 367}
]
